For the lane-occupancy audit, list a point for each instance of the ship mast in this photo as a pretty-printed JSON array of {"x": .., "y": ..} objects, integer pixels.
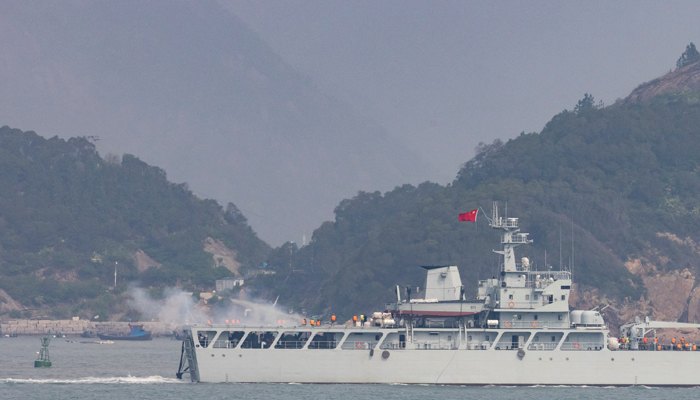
[{"x": 510, "y": 270}]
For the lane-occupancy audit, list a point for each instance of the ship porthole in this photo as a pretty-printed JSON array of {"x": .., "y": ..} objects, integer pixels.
[
  {"x": 612, "y": 359},
  {"x": 240, "y": 355},
  {"x": 567, "y": 358},
  {"x": 223, "y": 355},
  {"x": 212, "y": 355}
]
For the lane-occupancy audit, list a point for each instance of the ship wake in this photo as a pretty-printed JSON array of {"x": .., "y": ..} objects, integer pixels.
[{"x": 155, "y": 379}]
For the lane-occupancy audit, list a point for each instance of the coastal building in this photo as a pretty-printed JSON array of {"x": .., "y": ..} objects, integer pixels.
[{"x": 228, "y": 283}]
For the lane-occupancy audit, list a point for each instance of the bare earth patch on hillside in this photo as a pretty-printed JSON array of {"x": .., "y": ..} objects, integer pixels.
[
  {"x": 686, "y": 78},
  {"x": 143, "y": 261},
  {"x": 7, "y": 304},
  {"x": 223, "y": 256}
]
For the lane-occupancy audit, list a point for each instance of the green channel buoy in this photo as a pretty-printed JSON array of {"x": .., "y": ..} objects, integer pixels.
[{"x": 43, "y": 360}]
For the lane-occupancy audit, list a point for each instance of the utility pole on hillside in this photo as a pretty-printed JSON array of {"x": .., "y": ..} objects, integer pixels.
[
  {"x": 291, "y": 253},
  {"x": 115, "y": 273}
]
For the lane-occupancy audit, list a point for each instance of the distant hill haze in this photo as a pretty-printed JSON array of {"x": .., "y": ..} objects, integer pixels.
[{"x": 187, "y": 86}]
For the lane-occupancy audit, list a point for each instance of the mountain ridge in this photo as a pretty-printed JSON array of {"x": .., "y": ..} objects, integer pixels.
[
  {"x": 686, "y": 78},
  {"x": 189, "y": 87}
]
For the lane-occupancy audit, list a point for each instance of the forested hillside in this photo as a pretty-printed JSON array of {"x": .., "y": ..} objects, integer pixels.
[
  {"x": 68, "y": 217},
  {"x": 624, "y": 178}
]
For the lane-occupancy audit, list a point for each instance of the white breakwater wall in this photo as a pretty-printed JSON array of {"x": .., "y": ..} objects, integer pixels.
[{"x": 76, "y": 328}]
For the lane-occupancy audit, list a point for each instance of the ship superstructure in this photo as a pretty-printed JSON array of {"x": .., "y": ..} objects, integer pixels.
[{"x": 518, "y": 331}]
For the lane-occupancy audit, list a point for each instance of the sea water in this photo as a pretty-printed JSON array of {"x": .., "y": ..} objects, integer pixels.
[{"x": 146, "y": 370}]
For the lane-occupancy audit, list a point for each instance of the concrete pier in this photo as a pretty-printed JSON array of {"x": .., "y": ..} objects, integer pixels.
[{"x": 76, "y": 328}]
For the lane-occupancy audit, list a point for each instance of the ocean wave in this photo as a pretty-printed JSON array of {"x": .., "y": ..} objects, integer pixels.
[{"x": 93, "y": 380}]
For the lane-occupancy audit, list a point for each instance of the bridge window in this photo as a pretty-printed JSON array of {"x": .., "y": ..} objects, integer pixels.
[
  {"x": 361, "y": 341},
  {"x": 584, "y": 341},
  {"x": 293, "y": 340},
  {"x": 228, "y": 339},
  {"x": 325, "y": 340},
  {"x": 205, "y": 337},
  {"x": 259, "y": 340},
  {"x": 480, "y": 340},
  {"x": 394, "y": 340},
  {"x": 545, "y": 341},
  {"x": 512, "y": 341}
]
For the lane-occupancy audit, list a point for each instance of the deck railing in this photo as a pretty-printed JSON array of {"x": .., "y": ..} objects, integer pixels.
[
  {"x": 534, "y": 324},
  {"x": 507, "y": 346},
  {"x": 323, "y": 345},
  {"x": 479, "y": 345},
  {"x": 225, "y": 344},
  {"x": 540, "y": 346},
  {"x": 255, "y": 345},
  {"x": 515, "y": 238},
  {"x": 582, "y": 346},
  {"x": 291, "y": 344},
  {"x": 435, "y": 345},
  {"x": 350, "y": 345},
  {"x": 421, "y": 345}
]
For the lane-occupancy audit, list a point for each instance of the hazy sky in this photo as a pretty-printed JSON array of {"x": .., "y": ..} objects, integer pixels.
[
  {"x": 179, "y": 84},
  {"x": 444, "y": 75}
]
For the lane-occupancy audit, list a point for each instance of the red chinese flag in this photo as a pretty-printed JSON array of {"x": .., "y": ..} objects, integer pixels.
[{"x": 470, "y": 216}]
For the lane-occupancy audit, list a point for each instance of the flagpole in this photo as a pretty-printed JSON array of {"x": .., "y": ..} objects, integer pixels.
[{"x": 485, "y": 215}]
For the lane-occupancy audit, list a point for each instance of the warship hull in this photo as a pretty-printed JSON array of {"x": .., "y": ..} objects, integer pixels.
[{"x": 458, "y": 366}]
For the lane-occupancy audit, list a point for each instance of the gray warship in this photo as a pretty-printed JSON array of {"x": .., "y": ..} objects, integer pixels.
[{"x": 518, "y": 330}]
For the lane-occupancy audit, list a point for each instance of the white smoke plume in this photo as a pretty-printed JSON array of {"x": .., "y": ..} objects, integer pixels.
[
  {"x": 176, "y": 307},
  {"x": 180, "y": 308}
]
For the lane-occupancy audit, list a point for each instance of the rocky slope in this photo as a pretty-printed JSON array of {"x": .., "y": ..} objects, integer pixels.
[{"x": 683, "y": 79}]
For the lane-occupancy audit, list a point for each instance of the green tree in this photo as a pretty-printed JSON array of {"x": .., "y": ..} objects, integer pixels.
[
  {"x": 689, "y": 56},
  {"x": 586, "y": 103}
]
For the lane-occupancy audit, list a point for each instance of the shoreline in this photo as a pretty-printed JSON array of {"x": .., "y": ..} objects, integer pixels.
[{"x": 70, "y": 327}]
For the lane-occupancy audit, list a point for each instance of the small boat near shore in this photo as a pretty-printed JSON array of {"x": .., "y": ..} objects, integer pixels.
[{"x": 137, "y": 333}]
